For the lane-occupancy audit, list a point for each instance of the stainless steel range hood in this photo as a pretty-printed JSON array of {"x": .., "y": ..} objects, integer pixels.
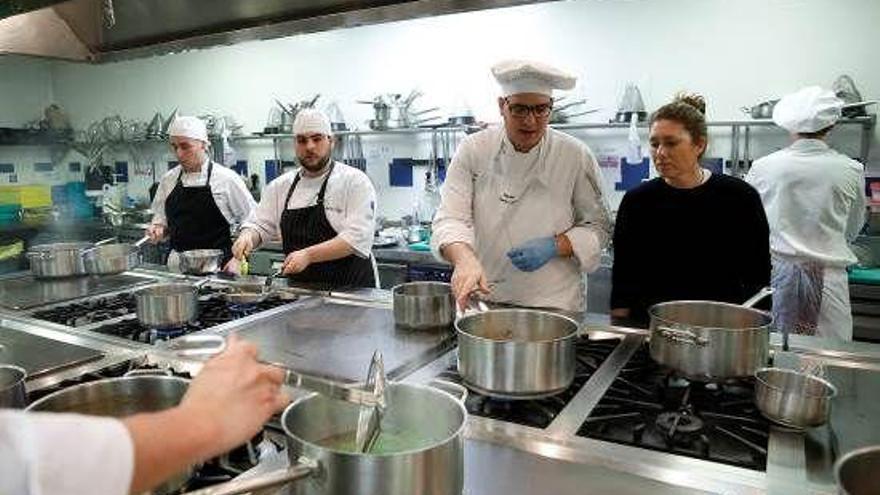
[{"x": 110, "y": 30}]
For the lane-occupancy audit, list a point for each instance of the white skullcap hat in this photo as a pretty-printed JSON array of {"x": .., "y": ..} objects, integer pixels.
[
  {"x": 523, "y": 76},
  {"x": 311, "y": 121},
  {"x": 189, "y": 127},
  {"x": 809, "y": 110}
]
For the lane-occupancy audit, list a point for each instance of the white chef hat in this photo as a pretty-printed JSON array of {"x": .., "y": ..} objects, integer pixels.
[
  {"x": 189, "y": 127},
  {"x": 524, "y": 76},
  {"x": 311, "y": 121},
  {"x": 809, "y": 110}
]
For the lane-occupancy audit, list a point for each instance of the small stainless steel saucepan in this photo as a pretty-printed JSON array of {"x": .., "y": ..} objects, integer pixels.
[{"x": 793, "y": 398}]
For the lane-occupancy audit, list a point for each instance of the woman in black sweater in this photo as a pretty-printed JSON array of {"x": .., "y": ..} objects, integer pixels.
[{"x": 688, "y": 234}]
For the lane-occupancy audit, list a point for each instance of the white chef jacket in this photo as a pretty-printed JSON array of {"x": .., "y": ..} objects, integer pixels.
[
  {"x": 230, "y": 192},
  {"x": 815, "y": 201},
  {"x": 70, "y": 454},
  {"x": 349, "y": 203},
  {"x": 494, "y": 199}
]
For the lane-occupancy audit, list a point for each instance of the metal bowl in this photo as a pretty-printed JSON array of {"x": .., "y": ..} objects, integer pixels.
[
  {"x": 201, "y": 261},
  {"x": 793, "y": 399},
  {"x": 858, "y": 472}
]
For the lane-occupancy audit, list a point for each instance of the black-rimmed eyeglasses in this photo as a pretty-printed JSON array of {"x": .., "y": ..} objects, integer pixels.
[{"x": 521, "y": 111}]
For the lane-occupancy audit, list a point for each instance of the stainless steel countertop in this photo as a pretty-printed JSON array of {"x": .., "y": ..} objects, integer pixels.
[
  {"x": 22, "y": 291},
  {"x": 399, "y": 254},
  {"x": 508, "y": 458}
]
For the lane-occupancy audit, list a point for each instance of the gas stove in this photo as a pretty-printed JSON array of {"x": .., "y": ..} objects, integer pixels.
[
  {"x": 116, "y": 315},
  {"x": 648, "y": 407},
  {"x": 212, "y": 472},
  {"x": 538, "y": 413}
]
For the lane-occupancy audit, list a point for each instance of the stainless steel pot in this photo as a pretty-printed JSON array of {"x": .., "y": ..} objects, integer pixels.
[
  {"x": 12, "y": 389},
  {"x": 167, "y": 305},
  {"x": 415, "y": 455},
  {"x": 201, "y": 261},
  {"x": 60, "y": 259},
  {"x": 516, "y": 353},
  {"x": 858, "y": 472},
  {"x": 708, "y": 340},
  {"x": 793, "y": 399},
  {"x": 423, "y": 305},
  {"x": 120, "y": 397},
  {"x": 111, "y": 258}
]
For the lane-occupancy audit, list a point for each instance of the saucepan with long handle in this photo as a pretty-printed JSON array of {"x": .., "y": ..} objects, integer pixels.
[{"x": 409, "y": 455}]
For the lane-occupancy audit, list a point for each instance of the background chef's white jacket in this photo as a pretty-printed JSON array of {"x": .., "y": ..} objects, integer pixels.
[
  {"x": 565, "y": 196},
  {"x": 815, "y": 201},
  {"x": 69, "y": 454},
  {"x": 349, "y": 202},
  {"x": 230, "y": 193}
]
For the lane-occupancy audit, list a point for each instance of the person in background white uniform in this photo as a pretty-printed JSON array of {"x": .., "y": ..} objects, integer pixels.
[
  {"x": 198, "y": 202},
  {"x": 323, "y": 212},
  {"x": 815, "y": 203},
  {"x": 522, "y": 212},
  {"x": 225, "y": 405}
]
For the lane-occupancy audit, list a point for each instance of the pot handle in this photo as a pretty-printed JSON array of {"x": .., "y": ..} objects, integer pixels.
[
  {"x": 764, "y": 292},
  {"x": 474, "y": 306},
  {"x": 276, "y": 477},
  {"x": 682, "y": 336},
  {"x": 43, "y": 255},
  {"x": 197, "y": 345},
  {"x": 459, "y": 392},
  {"x": 149, "y": 372}
]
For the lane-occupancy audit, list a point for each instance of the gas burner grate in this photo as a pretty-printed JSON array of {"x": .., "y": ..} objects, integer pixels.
[
  {"x": 213, "y": 311},
  {"x": 538, "y": 413},
  {"x": 89, "y": 311},
  {"x": 647, "y": 407}
]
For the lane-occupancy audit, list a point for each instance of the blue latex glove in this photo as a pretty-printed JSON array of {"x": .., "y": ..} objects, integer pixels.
[{"x": 533, "y": 254}]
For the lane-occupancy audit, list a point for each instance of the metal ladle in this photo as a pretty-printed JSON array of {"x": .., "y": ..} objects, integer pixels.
[{"x": 369, "y": 418}]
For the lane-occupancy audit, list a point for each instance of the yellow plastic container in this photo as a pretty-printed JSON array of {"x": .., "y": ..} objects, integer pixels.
[{"x": 26, "y": 196}]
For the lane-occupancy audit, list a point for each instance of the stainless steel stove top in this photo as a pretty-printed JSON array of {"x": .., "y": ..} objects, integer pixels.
[
  {"x": 24, "y": 291},
  {"x": 116, "y": 314}
]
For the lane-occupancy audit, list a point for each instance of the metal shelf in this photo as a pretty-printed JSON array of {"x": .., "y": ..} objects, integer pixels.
[{"x": 371, "y": 132}]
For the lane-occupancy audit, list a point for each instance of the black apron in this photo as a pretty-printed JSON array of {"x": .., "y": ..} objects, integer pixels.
[
  {"x": 195, "y": 221},
  {"x": 304, "y": 227}
]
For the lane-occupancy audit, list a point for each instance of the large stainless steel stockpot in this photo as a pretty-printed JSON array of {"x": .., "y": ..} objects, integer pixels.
[
  {"x": 120, "y": 397},
  {"x": 60, "y": 259},
  {"x": 167, "y": 305},
  {"x": 423, "y": 305},
  {"x": 708, "y": 340},
  {"x": 516, "y": 353},
  {"x": 792, "y": 398}
]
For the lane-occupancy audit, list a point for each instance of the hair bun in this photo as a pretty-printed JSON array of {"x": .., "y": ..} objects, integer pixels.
[{"x": 692, "y": 99}]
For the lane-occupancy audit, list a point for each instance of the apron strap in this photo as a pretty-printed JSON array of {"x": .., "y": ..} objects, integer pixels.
[
  {"x": 207, "y": 181},
  {"x": 320, "y": 200}
]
